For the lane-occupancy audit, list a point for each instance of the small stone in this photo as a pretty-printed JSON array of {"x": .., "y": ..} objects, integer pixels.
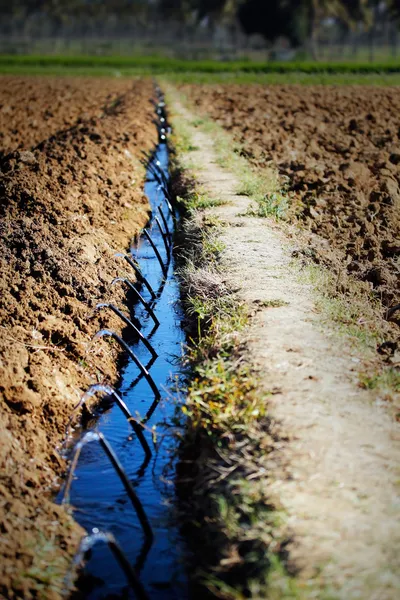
[
  {"x": 391, "y": 187},
  {"x": 27, "y": 157}
]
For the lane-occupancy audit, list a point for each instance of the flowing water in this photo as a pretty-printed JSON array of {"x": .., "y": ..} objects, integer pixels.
[{"x": 99, "y": 498}]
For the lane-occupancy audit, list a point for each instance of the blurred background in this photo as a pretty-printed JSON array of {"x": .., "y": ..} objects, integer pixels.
[{"x": 221, "y": 30}]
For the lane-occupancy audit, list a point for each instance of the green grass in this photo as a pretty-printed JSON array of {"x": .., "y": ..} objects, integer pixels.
[
  {"x": 200, "y": 201},
  {"x": 162, "y": 64},
  {"x": 184, "y": 142},
  {"x": 227, "y": 423},
  {"x": 294, "y": 78},
  {"x": 206, "y": 71},
  {"x": 275, "y": 204},
  {"x": 386, "y": 381}
]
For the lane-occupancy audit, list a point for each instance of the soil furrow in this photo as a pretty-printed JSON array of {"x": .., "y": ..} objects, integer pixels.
[
  {"x": 66, "y": 207},
  {"x": 33, "y": 109}
]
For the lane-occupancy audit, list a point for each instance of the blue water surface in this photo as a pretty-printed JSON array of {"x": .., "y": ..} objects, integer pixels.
[{"x": 97, "y": 494}]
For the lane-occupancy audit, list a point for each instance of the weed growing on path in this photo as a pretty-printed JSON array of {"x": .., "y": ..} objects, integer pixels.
[
  {"x": 201, "y": 201},
  {"x": 265, "y": 190}
]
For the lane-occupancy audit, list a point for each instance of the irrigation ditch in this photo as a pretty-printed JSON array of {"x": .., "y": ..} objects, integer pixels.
[
  {"x": 191, "y": 515},
  {"x": 120, "y": 484}
]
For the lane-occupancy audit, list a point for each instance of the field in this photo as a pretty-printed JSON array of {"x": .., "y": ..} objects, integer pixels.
[
  {"x": 296, "y": 191},
  {"x": 197, "y": 71},
  {"x": 71, "y": 196},
  {"x": 34, "y": 109},
  {"x": 274, "y": 397},
  {"x": 338, "y": 153}
]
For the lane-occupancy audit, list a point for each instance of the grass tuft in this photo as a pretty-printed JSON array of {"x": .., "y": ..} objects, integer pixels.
[
  {"x": 386, "y": 382},
  {"x": 200, "y": 201},
  {"x": 349, "y": 305}
]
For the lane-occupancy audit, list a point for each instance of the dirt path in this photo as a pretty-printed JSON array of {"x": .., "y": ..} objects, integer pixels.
[{"x": 337, "y": 477}]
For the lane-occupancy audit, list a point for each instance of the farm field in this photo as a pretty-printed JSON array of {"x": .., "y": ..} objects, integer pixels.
[
  {"x": 71, "y": 189},
  {"x": 318, "y": 454},
  {"x": 338, "y": 149},
  {"x": 35, "y": 108},
  {"x": 71, "y": 196},
  {"x": 386, "y": 73}
]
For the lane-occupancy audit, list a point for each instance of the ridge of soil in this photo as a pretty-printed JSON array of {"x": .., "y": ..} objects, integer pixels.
[
  {"x": 34, "y": 108},
  {"x": 336, "y": 476},
  {"x": 66, "y": 206},
  {"x": 339, "y": 150}
]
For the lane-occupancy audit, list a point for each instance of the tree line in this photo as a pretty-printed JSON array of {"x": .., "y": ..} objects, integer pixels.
[{"x": 298, "y": 21}]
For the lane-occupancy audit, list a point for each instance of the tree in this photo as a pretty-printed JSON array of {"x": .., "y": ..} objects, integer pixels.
[
  {"x": 299, "y": 21},
  {"x": 270, "y": 19}
]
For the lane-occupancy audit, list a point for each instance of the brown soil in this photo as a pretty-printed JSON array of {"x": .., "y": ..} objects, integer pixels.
[
  {"x": 34, "y": 108},
  {"x": 340, "y": 150},
  {"x": 330, "y": 456},
  {"x": 67, "y": 205}
]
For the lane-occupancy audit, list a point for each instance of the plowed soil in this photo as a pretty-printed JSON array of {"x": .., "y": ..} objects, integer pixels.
[
  {"x": 340, "y": 151},
  {"x": 330, "y": 453},
  {"x": 70, "y": 197},
  {"x": 33, "y": 109}
]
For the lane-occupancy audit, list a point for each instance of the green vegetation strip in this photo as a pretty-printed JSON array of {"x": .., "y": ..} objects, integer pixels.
[
  {"x": 297, "y": 77},
  {"x": 161, "y": 64}
]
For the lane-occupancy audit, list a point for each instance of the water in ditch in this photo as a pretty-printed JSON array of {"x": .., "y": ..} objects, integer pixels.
[{"x": 99, "y": 499}]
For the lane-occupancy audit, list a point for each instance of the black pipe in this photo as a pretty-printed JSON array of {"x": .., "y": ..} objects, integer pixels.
[
  {"x": 156, "y": 252},
  {"x": 150, "y": 380},
  {"x": 128, "y": 486},
  {"x": 128, "y": 322},
  {"x": 164, "y": 220},
  {"x": 127, "y": 568},
  {"x": 97, "y": 435},
  {"x": 87, "y": 543},
  {"x": 139, "y": 275},
  {"x": 164, "y": 236},
  {"x": 139, "y": 297}
]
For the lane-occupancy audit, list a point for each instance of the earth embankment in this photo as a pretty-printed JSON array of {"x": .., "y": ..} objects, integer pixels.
[{"x": 71, "y": 195}]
